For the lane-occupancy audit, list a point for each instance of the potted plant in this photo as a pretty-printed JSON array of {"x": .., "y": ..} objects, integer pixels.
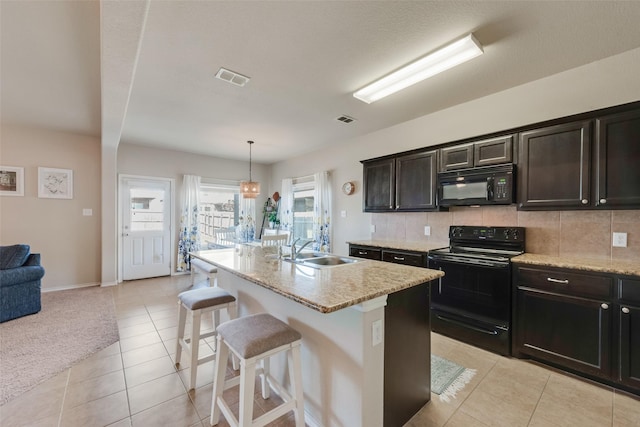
[{"x": 273, "y": 219}]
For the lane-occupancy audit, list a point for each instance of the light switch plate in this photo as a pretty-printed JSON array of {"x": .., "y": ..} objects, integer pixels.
[
  {"x": 373, "y": 228},
  {"x": 87, "y": 212},
  {"x": 427, "y": 230},
  {"x": 343, "y": 214},
  {"x": 620, "y": 240}
]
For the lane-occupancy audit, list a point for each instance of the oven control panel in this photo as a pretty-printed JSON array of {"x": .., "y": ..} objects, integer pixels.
[{"x": 496, "y": 234}]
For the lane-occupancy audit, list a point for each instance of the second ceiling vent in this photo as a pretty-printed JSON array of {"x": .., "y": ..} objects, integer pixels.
[{"x": 232, "y": 77}]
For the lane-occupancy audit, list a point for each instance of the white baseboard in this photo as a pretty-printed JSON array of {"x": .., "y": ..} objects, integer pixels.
[
  {"x": 66, "y": 288},
  {"x": 106, "y": 284}
]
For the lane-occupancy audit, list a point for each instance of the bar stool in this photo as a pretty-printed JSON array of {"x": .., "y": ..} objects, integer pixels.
[
  {"x": 252, "y": 339},
  {"x": 196, "y": 303},
  {"x": 204, "y": 267}
]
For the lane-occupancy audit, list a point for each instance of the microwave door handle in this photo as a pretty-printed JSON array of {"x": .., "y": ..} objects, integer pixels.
[{"x": 489, "y": 188}]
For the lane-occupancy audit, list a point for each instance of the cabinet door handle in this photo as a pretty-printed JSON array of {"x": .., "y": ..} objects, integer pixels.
[
  {"x": 625, "y": 310},
  {"x": 362, "y": 252},
  {"x": 603, "y": 201},
  {"x": 584, "y": 201},
  {"x": 398, "y": 258},
  {"x": 563, "y": 282},
  {"x": 604, "y": 306}
]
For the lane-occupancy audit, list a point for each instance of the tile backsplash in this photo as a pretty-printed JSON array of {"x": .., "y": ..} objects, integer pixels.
[{"x": 585, "y": 234}]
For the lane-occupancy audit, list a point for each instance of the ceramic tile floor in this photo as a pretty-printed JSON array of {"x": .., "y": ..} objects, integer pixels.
[{"x": 134, "y": 383}]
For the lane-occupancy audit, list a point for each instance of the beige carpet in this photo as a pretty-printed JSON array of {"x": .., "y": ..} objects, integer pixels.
[{"x": 72, "y": 325}]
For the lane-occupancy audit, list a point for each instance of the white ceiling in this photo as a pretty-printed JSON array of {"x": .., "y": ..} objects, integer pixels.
[{"x": 142, "y": 72}]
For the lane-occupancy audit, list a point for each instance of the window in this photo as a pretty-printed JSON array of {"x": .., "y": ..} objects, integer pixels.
[
  {"x": 219, "y": 213},
  {"x": 303, "y": 195},
  {"x": 147, "y": 209}
]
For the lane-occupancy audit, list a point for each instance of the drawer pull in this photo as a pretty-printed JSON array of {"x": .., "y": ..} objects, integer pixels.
[
  {"x": 604, "y": 306},
  {"x": 625, "y": 310},
  {"x": 563, "y": 282},
  {"x": 363, "y": 252},
  {"x": 398, "y": 258}
]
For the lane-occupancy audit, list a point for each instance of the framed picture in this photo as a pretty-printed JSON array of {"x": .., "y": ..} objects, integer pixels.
[
  {"x": 55, "y": 183},
  {"x": 11, "y": 181}
]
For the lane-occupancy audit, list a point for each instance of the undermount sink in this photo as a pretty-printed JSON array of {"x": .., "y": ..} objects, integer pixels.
[
  {"x": 330, "y": 260},
  {"x": 321, "y": 260}
]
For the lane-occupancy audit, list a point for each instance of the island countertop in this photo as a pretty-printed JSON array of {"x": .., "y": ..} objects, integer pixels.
[{"x": 325, "y": 290}]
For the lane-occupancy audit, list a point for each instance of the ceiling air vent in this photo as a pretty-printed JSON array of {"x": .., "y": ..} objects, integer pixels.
[
  {"x": 345, "y": 119},
  {"x": 232, "y": 77}
]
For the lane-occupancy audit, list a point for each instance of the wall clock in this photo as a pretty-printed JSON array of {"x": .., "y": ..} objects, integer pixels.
[{"x": 348, "y": 188}]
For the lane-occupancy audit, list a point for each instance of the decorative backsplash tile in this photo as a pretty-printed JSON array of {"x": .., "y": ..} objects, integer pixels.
[{"x": 586, "y": 234}]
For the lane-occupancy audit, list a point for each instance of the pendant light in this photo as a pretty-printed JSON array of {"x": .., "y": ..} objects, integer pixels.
[{"x": 249, "y": 189}]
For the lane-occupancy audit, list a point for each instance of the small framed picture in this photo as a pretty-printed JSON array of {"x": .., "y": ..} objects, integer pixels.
[
  {"x": 55, "y": 183},
  {"x": 11, "y": 181}
]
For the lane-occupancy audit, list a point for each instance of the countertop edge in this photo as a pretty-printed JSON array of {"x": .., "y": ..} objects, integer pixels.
[{"x": 626, "y": 268}]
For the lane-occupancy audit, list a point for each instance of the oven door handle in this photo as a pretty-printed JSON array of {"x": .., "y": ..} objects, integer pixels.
[
  {"x": 467, "y": 261},
  {"x": 467, "y": 326}
]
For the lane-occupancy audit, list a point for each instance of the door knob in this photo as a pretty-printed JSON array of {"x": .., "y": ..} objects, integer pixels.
[
  {"x": 584, "y": 201},
  {"x": 604, "y": 306},
  {"x": 625, "y": 310},
  {"x": 603, "y": 201}
]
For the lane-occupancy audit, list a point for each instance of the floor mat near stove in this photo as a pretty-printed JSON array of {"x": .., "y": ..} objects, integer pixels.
[{"x": 448, "y": 378}]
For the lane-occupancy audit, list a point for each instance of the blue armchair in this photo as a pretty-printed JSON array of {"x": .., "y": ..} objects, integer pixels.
[{"x": 20, "y": 279}]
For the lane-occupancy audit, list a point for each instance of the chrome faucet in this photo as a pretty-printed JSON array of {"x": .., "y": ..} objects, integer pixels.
[{"x": 294, "y": 251}]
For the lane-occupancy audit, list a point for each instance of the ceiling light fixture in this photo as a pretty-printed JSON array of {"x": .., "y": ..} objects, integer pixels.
[
  {"x": 436, "y": 62},
  {"x": 249, "y": 189}
]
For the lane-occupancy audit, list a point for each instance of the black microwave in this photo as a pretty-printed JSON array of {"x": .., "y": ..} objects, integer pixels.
[{"x": 487, "y": 185}]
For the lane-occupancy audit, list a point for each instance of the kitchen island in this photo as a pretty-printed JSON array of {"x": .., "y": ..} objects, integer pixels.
[{"x": 365, "y": 329}]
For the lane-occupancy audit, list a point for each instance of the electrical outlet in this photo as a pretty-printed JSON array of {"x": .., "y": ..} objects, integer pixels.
[
  {"x": 87, "y": 212},
  {"x": 427, "y": 230},
  {"x": 373, "y": 228},
  {"x": 343, "y": 214},
  {"x": 376, "y": 332},
  {"x": 620, "y": 240}
]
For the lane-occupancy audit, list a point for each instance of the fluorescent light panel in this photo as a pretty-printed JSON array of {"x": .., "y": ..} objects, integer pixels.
[{"x": 436, "y": 62}]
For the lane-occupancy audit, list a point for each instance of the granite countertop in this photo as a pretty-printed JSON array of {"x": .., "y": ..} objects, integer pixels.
[
  {"x": 325, "y": 290},
  {"x": 400, "y": 245},
  {"x": 629, "y": 268}
]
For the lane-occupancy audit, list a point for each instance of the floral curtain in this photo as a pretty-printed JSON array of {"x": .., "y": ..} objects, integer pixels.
[
  {"x": 246, "y": 229},
  {"x": 189, "y": 238},
  {"x": 285, "y": 213},
  {"x": 322, "y": 212}
]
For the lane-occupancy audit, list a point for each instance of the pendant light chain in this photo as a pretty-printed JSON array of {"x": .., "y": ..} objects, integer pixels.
[{"x": 250, "y": 144}]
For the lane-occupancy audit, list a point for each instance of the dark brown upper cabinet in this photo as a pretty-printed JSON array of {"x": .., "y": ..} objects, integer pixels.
[
  {"x": 493, "y": 151},
  {"x": 416, "y": 181},
  {"x": 554, "y": 167},
  {"x": 456, "y": 157},
  {"x": 401, "y": 183},
  {"x": 379, "y": 185},
  {"x": 480, "y": 153},
  {"x": 617, "y": 155}
]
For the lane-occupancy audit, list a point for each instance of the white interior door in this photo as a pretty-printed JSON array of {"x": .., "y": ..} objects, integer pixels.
[{"x": 146, "y": 228}]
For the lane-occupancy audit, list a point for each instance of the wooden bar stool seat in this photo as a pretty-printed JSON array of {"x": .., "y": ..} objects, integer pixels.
[
  {"x": 196, "y": 303},
  {"x": 253, "y": 340}
]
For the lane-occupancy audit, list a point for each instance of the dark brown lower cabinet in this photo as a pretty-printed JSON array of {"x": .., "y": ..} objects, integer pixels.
[
  {"x": 629, "y": 333},
  {"x": 579, "y": 321},
  {"x": 572, "y": 332},
  {"x": 365, "y": 252}
]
